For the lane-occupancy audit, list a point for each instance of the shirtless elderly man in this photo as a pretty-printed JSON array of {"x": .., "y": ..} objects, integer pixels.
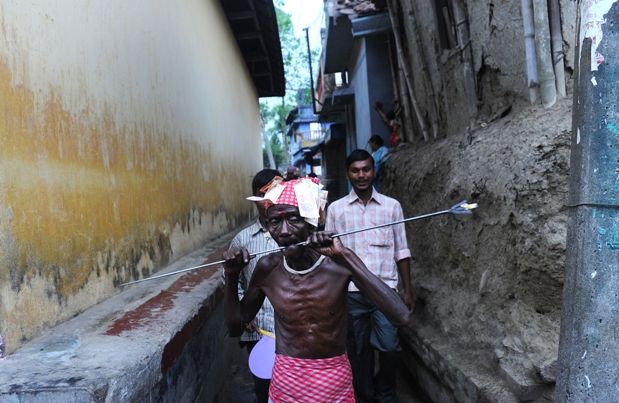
[{"x": 307, "y": 286}]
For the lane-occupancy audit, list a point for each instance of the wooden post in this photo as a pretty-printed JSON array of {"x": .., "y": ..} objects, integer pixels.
[
  {"x": 413, "y": 37},
  {"x": 399, "y": 90},
  {"x": 466, "y": 56},
  {"x": 392, "y": 4},
  {"x": 406, "y": 106}
]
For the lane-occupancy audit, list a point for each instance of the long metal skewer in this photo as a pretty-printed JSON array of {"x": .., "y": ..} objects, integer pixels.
[
  {"x": 264, "y": 252},
  {"x": 462, "y": 208}
]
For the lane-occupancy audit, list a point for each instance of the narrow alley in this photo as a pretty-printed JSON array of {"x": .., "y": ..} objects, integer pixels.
[{"x": 411, "y": 201}]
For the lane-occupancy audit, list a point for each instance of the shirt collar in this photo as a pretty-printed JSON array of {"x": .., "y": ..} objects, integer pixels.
[
  {"x": 377, "y": 197},
  {"x": 257, "y": 228}
]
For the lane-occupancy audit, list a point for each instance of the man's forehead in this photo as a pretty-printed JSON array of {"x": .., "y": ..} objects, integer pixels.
[
  {"x": 280, "y": 209},
  {"x": 362, "y": 163}
]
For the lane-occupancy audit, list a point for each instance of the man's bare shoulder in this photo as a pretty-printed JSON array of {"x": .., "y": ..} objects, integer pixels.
[
  {"x": 334, "y": 267},
  {"x": 267, "y": 262},
  {"x": 264, "y": 267}
]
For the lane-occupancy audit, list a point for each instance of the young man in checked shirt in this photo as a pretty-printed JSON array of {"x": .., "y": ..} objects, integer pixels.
[
  {"x": 256, "y": 238},
  {"x": 386, "y": 254}
]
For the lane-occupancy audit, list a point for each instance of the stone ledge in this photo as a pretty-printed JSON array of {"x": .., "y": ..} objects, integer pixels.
[
  {"x": 155, "y": 341},
  {"x": 445, "y": 376}
]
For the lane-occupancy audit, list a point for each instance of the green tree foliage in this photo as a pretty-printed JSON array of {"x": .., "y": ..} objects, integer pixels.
[
  {"x": 296, "y": 70},
  {"x": 278, "y": 152}
]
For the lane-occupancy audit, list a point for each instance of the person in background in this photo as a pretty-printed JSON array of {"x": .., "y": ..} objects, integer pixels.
[
  {"x": 256, "y": 238},
  {"x": 386, "y": 254},
  {"x": 380, "y": 155},
  {"x": 379, "y": 151},
  {"x": 391, "y": 121},
  {"x": 292, "y": 173}
]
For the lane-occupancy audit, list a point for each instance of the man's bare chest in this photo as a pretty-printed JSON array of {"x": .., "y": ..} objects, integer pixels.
[{"x": 307, "y": 297}]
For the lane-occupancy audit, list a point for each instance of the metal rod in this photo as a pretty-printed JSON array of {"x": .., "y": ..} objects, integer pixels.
[
  {"x": 264, "y": 252},
  {"x": 452, "y": 210},
  {"x": 419, "y": 217}
]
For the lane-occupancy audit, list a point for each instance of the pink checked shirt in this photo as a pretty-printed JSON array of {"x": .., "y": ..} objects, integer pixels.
[{"x": 379, "y": 248}]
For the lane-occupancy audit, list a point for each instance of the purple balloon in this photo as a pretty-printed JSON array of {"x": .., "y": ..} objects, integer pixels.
[{"x": 262, "y": 358}]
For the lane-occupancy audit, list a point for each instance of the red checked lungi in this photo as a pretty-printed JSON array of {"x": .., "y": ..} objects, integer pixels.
[{"x": 300, "y": 380}]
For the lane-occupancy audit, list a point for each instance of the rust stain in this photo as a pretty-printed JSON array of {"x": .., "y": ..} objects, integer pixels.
[{"x": 149, "y": 312}]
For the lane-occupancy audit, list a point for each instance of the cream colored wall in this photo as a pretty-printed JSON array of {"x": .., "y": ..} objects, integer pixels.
[{"x": 129, "y": 131}]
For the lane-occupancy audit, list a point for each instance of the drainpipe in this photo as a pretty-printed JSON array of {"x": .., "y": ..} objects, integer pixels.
[
  {"x": 589, "y": 342},
  {"x": 557, "y": 46},
  {"x": 547, "y": 86},
  {"x": 529, "y": 49}
]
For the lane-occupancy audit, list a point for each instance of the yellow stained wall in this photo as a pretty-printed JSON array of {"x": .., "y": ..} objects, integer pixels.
[{"x": 129, "y": 131}]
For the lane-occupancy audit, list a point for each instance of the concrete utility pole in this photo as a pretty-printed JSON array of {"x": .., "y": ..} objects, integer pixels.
[{"x": 589, "y": 342}]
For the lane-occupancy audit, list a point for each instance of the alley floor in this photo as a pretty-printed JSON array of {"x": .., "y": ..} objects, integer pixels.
[{"x": 240, "y": 387}]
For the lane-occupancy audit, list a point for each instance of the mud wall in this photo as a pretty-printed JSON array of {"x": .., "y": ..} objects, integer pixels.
[
  {"x": 120, "y": 125},
  {"x": 488, "y": 287},
  {"x": 497, "y": 45}
]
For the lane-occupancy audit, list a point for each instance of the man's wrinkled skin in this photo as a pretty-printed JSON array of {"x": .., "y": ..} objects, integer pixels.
[{"x": 310, "y": 309}]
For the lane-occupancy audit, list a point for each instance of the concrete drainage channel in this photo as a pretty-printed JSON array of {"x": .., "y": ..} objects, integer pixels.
[
  {"x": 430, "y": 375},
  {"x": 441, "y": 373}
]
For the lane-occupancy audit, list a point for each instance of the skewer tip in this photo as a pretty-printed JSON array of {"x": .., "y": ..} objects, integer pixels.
[
  {"x": 463, "y": 207},
  {"x": 469, "y": 206}
]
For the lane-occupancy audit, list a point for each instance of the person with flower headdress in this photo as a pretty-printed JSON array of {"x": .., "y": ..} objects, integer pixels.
[{"x": 307, "y": 285}]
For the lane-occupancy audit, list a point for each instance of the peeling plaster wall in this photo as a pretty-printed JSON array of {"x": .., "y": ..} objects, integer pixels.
[
  {"x": 497, "y": 36},
  {"x": 120, "y": 132},
  {"x": 497, "y": 42}
]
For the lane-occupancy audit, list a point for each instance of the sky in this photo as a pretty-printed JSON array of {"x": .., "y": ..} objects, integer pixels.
[{"x": 306, "y": 13}]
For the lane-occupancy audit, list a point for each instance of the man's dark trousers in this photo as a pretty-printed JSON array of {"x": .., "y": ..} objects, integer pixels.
[{"x": 369, "y": 329}]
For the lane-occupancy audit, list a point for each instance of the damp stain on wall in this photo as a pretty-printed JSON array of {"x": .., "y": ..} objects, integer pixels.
[{"x": 87, "y": 203}]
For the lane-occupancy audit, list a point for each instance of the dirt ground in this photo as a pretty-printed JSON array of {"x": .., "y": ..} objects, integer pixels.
[{"x": 490, "y": 285}]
